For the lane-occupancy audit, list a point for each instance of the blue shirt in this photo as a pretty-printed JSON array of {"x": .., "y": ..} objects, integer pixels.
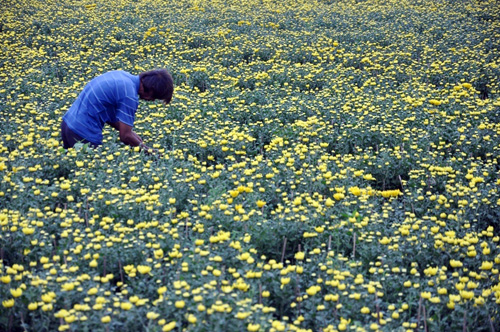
[{"x": 110, "y": 97}]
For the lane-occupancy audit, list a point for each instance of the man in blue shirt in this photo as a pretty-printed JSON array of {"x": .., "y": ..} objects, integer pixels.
[{"x": 113, "y": 98}]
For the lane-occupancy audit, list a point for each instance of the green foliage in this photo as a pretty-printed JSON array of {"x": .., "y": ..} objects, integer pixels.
[{"x": 325, "y": 166}]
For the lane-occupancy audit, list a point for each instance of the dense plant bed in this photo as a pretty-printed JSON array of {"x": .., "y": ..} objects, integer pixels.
[{"x": 326, "y": 166}]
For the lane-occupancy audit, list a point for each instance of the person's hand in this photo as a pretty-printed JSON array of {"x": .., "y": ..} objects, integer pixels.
[
  {"x": 149, "y": 150},
  {"x": 145, "y": 148},
  {"x": 139, "y": 139}
]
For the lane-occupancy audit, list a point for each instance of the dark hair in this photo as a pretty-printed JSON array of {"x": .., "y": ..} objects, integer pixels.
[{"x": 159, "y": 82}]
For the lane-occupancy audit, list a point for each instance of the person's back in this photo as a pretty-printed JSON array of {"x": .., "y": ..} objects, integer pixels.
[
  {"x": 108, "y": 98},
  {"x": 113, "y": 98}
]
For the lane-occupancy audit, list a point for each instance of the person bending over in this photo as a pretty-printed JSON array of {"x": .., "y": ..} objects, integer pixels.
[{"x": 113, "y": 98}]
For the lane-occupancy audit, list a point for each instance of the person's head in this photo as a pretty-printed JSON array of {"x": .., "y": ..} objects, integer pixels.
[{"x": 156, "y": 84}]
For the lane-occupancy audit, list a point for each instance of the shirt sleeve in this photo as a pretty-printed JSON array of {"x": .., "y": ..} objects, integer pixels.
[{"x": 127, "y": 106}]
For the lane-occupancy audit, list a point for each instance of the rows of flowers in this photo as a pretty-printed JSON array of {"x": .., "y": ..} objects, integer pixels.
[{"x": 324, "y": 166}]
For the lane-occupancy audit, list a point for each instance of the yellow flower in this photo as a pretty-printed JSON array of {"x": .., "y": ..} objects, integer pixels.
[
  {"x": 144, "y": 269},
  {"x": 385, "y": 240},
  {"x": 368, "y": 177},
  {"x": 169, "y": 327},
  {"x": 158, "y": 253},
  {"x": 126, "y": 305},
  {"x": 242, "y": 315},
  {"x": 68, "y": 286},
  {"x": 365, "y": 310},
  {"x": 338, "y": 196},
  {"x": 479, "y": 300},
  {"x": 180, "y": 304},
  {"x": 28, "y": 230},
  {"x": 8, "y": 303},
  {"x": 471, "y": 285},
  {"x": 253, "y": 327},
  {"x": 32, "y": 306},
  {"x": 260, "y": 203},
  {"x": 16, "y": 292},
  {"x": 426, "y": 295},
  {"x": 47, "y": 298},
  {"x": 299, "y": 255},
  {"x": 355, "y": 191},
  {"x": 152, "y": 315},
  {"x": 442, "y": 291},
  {"x": 430, "y": 271},
  {"x": 106, "y": 319},
  {"x": 486, "y": 265},
  {"x": 467, "y": 295},
  {"x": 311, "y": 291},
  {"x": 92, "y": 291},
  {"x": 141, "y": 302},
  {"x": 454, "y": 263},
  {"x": 47, "y": 307}
]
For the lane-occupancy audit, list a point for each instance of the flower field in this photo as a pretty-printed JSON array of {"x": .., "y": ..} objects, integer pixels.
[{"x": 325, "y": 166}]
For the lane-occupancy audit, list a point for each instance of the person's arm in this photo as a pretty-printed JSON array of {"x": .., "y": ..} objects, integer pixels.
[
  {"x": 113, "y": 124},
  {"x": 127, "y": 135},
  {"x": 138, "y": 137},
  {"x": 125, "y": 132},
  {"x": 125, "y": 113}
]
